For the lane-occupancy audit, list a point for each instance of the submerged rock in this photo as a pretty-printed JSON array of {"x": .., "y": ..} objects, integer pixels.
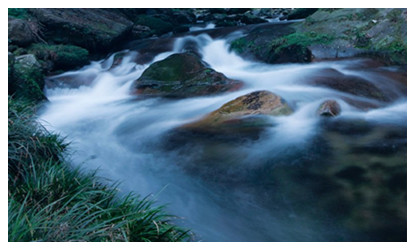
[
  {"x": 183, "y": 75},
  {"x": 329, "y": 108},
  {"x": 240, "y": 115},
  {"x": 351, "y": 84}
]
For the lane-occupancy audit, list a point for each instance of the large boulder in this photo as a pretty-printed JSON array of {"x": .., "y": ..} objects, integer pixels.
[
  {"x": 94, "y": 29},
  {"x": 242, "y": 114},
  {"x": 183, "y": 75},
  {"x": 22, "y": 32}
]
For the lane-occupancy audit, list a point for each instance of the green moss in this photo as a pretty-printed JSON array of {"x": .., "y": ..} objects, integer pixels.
[
  {"x": 177, "y": 67},
  {"x": 19, "y": 13},
  {"x": 26, "y": 82},
  {"x": 157, "y": 25},
  {"x": 240, "y": 45},
  {"x": 299, "y": 39},
  {"x": 63, "y": 56}
]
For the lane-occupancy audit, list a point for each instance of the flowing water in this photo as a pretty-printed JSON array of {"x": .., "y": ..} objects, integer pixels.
[{"x": 303, "y": 179}]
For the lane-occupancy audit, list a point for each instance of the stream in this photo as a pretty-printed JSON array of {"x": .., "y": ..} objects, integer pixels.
[{"x": 305, "y": 178}]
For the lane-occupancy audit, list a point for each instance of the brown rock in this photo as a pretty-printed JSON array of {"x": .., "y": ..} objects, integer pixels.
[
  {"x": 231, "y": 116},
  {"x": 329, "y": 108}
]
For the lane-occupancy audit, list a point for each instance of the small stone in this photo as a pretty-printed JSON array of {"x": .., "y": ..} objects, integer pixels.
[{"x": 329, "y": 108}]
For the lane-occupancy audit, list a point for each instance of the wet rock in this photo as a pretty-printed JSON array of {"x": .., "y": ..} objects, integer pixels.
[
  {"x": 355, "y": 127},
  {"x": 183, "y": 75},
  {"x": 354, "y": 174},
  {"x": 329, "y": 108},
  {"x": 243, "y": 113},
  {"x": 141, "y": 31},
  {"x": 94, "y": 29}
]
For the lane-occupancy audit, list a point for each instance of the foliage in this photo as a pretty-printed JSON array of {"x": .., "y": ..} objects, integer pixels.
[{"x": 49, "y": 200}]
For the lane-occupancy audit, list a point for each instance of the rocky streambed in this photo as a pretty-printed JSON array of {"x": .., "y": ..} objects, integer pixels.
[{"x": 246, "y": 131}]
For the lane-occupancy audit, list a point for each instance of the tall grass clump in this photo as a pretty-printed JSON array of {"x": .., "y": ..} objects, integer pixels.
[{"x": 49, "y": 200}]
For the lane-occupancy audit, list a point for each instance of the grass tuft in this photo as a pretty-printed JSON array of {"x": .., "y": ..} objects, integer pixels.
[{"x": 49, "y": 200}]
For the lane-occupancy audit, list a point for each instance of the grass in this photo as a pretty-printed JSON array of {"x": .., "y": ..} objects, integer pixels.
[{"x": 50, "y": 200}]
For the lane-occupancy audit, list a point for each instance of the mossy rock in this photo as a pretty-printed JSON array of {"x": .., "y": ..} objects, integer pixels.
[
  {"x": 26, "y": 78},
  {"x": 183, "y": 75},
  {"x": 294, "y": 47},
  {"x": 256, "y": 45},
  {"x": 63, "y": 57}
]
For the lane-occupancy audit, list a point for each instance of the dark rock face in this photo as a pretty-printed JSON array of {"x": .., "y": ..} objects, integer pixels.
[
  {"x": 234, "y": 115},
  {"x": 329, "y": 108},
  {"x": 22, "y": 32},
  {"x": 183, "y": 75},
  {"x": 94, "y": 29}
]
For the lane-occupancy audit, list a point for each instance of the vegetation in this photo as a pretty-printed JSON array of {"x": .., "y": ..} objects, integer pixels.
[
  {"x": 62, "y": 56},
  {"x": 49, "y": 200},
  {"x": 26, "y": 81}
]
